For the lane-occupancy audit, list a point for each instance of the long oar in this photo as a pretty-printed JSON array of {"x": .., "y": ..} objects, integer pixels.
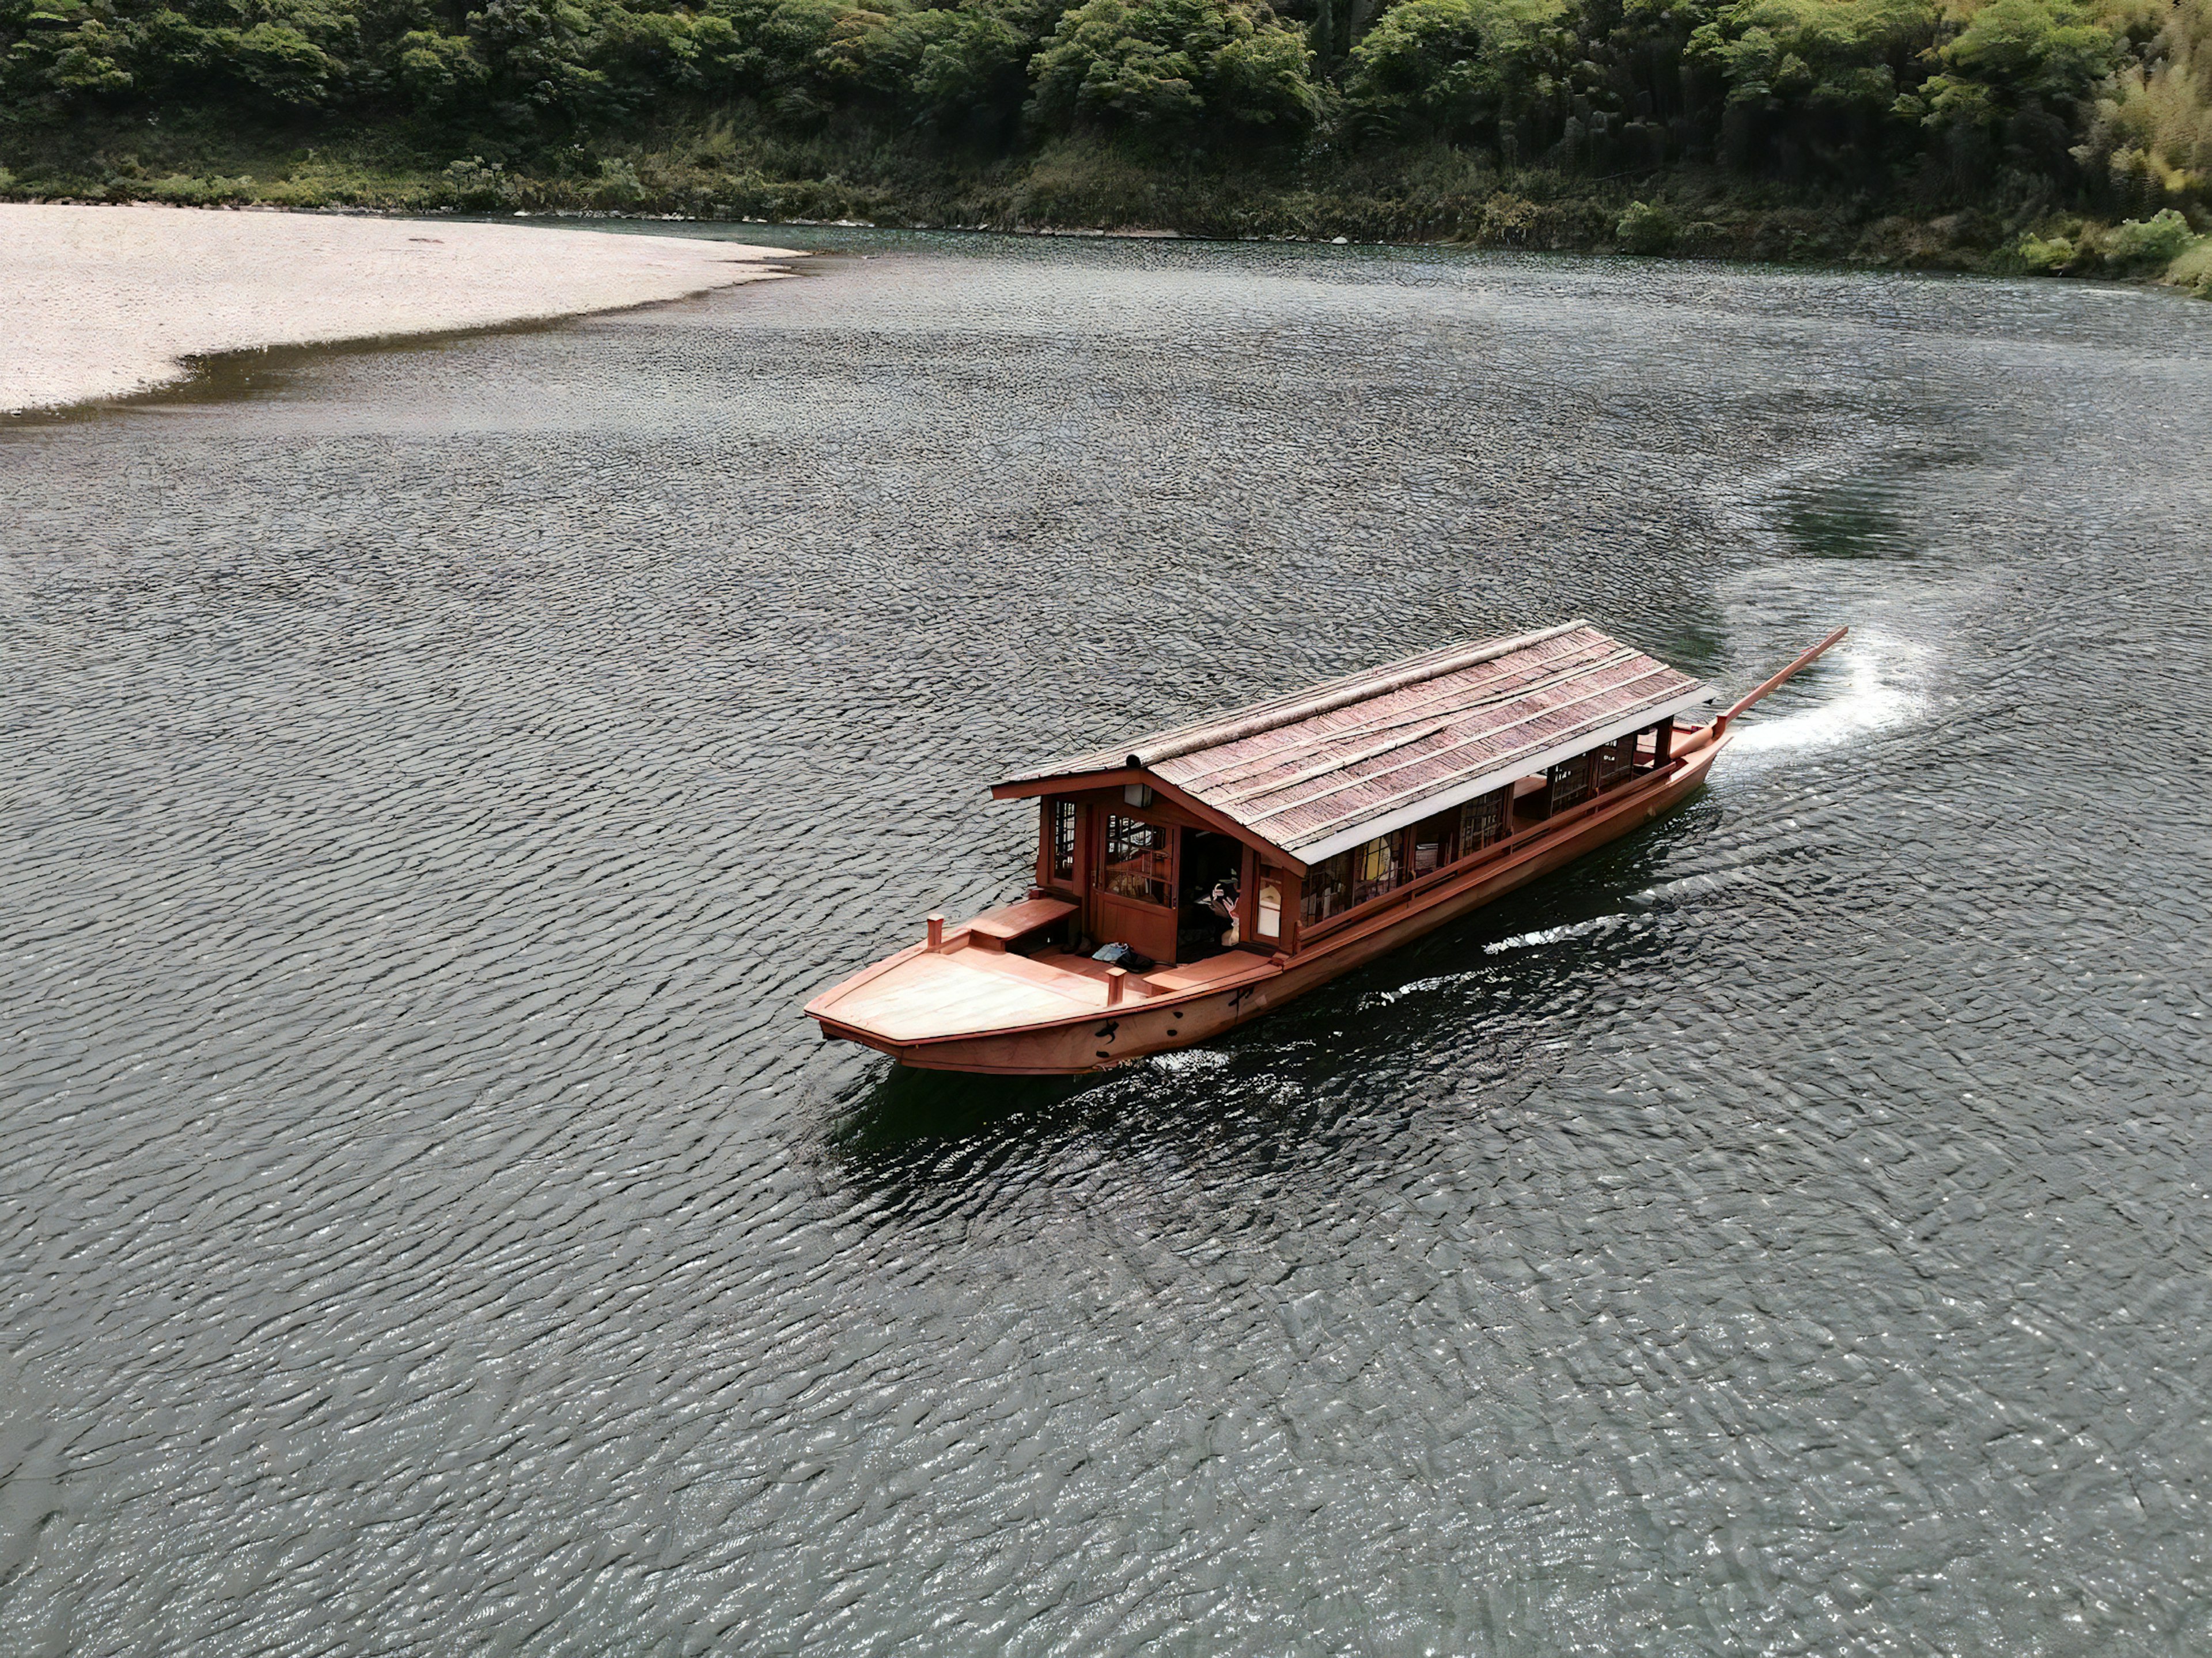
[{"x": 1762, "y": 689}]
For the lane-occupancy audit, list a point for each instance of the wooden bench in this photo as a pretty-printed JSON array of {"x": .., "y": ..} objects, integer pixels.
[{"x": 996, "y": 929}]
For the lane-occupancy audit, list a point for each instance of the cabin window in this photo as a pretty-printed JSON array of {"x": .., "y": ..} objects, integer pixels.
[
  {"x": 1482, "y": 820},
  {"x": 1436, "y": 842},
  {"x": 1136, "y": 863},
  {"x": 1615, "y": 760},
  {"x": 1327, "y": 889},
  {"x": 1570, "y": 780},
  {"x": 1375, "y": 868},
  {"x": 1270, "y": 925},
  {"x": 1063, "y": 840}
]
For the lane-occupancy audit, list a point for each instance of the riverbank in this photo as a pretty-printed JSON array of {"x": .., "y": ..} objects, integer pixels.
[
  {"x": 106, "y": 301},
  {"x": 1436, "y": 194}
]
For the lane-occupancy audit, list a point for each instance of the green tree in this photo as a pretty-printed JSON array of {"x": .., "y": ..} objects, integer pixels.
[
  {"x": 436, "y": 69},
  {"x": 281, "y": 63},
  {"x": 1458, "y": 68},
  {"x": 1814, "y": 81},
  {"x": 2153, "y": 125},
  {"x": 57, "y": 54},
  {"x": 801, "y": 58},
  {"x": 2012, "y": 81},
  {"x": 954, "y": 70},
  {"x": 1164, "y": 67},
  {"x": 533, "y": 53}
]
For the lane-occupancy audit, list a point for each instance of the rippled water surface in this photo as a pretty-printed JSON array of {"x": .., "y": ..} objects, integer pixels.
[{"x": 435, "y": 777}]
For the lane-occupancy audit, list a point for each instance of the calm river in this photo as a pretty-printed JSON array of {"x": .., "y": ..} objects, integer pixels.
[{"x": 432, "y": 779}]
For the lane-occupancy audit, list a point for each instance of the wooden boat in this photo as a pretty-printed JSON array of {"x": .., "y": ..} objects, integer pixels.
[{"x": 1350, "y": 817}]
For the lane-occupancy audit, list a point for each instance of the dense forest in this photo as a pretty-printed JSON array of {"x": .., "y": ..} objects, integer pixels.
[{"x": 2061, "y": 134}]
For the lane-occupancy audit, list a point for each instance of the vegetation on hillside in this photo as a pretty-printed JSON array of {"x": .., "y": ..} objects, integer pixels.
[{"x": 2068, "y": 135}]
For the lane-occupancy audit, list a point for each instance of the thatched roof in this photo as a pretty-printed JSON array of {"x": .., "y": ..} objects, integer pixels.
[{"x": 1328, "y": 768}]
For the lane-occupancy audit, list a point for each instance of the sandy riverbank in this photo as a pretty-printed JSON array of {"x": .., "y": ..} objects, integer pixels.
[{"x": 103, "y": 302}]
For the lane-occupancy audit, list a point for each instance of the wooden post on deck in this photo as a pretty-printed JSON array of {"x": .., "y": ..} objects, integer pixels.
[
  {"x": 936, "y": 924},
  {"x": 1115, "y": 977}
]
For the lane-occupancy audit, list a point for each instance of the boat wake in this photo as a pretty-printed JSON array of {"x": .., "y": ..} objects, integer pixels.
[
  {"x": 1881, "y": 691},
  {"x": 1190, "y": 1059},
  {"x": 1417, "y": 987},
  {"x": 1553, "y": 935},
  {"x": 1697, "y": 886},
  {"x": 1597, "y": 925}
]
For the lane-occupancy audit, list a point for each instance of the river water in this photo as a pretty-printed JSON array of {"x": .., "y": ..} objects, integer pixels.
[{"x": 435, "y": 776}]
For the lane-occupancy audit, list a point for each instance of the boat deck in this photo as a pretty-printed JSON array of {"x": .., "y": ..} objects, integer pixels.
[{"x": 967, "y": 988}]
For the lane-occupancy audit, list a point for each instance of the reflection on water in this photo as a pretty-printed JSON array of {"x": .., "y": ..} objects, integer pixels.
[
  {"x": 434, "y": 779},
  {"x": 902, "y": 1107}
]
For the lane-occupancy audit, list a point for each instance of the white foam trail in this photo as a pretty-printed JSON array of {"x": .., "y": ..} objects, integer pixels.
[
  {"x": 1519, "y": 941},
  {"x": 1553, "y": 934},
  {"x": 1191, "y": 1059},
  {"x": 1419, "y": 986},
  {"x": 1696, "y": 886},
  {"x": 1879, "y": 693}
]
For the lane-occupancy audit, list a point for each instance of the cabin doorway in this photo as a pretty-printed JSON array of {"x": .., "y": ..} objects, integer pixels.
[
  {"x": 1207, "y": 859},
  {"x": 1132, "y": 890}
]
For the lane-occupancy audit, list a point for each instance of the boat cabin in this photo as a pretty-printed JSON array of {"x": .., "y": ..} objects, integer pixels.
[{"x": 1266, "y": 831}]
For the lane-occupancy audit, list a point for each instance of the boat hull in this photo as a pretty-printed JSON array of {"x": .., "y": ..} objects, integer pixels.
[{"x": 1139, "y": 1028}]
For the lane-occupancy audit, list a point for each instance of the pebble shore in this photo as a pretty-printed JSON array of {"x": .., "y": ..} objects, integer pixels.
[{"x": 106, "y": 301}]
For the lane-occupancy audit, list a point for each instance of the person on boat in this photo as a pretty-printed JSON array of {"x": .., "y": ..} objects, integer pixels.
[{"x": 1221, "y": 903}]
